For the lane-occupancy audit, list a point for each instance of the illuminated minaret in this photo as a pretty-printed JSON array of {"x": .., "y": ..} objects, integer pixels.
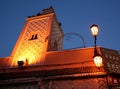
[{"x": 41, "y": 33}]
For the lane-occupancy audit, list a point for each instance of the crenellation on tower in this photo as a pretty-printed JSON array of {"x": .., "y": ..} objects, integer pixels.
[
  {"x": 48, "y": 10},
  {"x": 44, "y": 12}
]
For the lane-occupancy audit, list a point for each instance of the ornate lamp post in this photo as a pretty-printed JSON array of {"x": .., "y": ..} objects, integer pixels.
[{"x": 97, "y": 57}]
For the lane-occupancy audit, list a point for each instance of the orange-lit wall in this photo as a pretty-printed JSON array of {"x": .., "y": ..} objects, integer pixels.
[{"x": 29, "y": 48}]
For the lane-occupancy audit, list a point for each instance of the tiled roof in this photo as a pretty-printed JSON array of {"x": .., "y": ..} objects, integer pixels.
[{"x": 111, "y": 60}]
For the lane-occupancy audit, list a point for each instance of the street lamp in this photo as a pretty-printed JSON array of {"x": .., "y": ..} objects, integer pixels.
[{"x": 97, "y": 57}]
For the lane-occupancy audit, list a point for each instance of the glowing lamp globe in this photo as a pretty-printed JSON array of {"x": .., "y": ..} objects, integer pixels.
[
  {"x": 94, "y": 30},
  {"x": 98, "y": 61}
]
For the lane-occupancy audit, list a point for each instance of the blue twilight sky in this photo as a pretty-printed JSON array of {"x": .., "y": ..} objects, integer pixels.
[{"x": 75, "y": 16}]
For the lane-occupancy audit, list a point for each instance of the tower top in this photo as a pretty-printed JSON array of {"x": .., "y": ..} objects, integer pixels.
[
  {"x": 48, "y": 10},
  {"x": 44, "y": 11}
]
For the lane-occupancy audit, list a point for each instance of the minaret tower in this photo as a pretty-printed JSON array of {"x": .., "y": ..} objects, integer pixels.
[{"x": 40, "y": 34}]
